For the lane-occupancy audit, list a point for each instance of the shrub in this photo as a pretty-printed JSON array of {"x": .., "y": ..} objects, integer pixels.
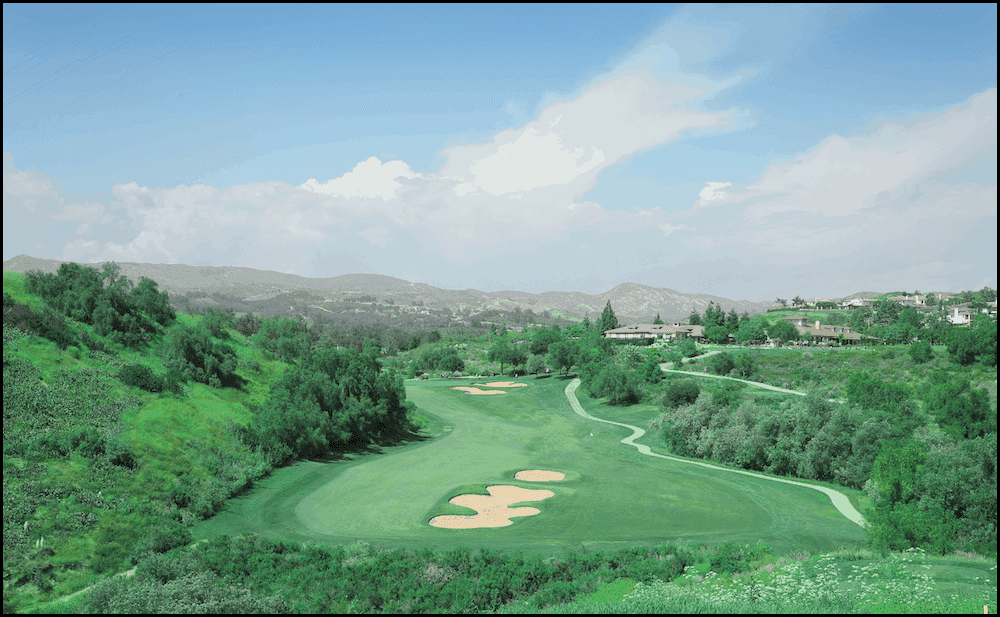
[
  {"x": 722, "y": 364},
  {"x": 681, "y": 392},
  {"x": 140, "y": 376},
  {"x": 249, "y": 324}
]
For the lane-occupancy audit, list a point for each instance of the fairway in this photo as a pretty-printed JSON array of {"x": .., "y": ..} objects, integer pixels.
[{"x": 611, "y": 495}]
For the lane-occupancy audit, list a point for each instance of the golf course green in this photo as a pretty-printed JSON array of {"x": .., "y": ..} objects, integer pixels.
[{"x": 612, "y": 495}]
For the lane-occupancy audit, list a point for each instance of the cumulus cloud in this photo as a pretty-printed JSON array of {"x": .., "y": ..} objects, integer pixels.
[{"x": 370, "y": 179}]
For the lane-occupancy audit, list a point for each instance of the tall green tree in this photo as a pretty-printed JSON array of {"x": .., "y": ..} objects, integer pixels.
[
  {"x": 500, "y": 352},
  {"x": 562, "y": 356},
  {"x": 732, "y": 321},
  {"x": 657, "y": 320},
  {"x": 607, "y": 321}
]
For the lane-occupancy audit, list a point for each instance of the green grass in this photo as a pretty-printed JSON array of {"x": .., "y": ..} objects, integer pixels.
[
  {"x": 612, "y": 495},
  {"x": 843, "y": 581}
]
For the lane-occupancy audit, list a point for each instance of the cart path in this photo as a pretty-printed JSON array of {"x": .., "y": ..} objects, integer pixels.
[{"x": 840, "y": 501}]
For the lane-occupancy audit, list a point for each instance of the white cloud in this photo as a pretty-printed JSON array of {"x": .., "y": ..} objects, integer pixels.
[
  {"x": 572, "y": 141},
  {"x": 370, "y": 179},
  {"x": 841, "y": 176}
]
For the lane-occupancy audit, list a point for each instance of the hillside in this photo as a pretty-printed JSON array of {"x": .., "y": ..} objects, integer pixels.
[{"x": 632, "y": 302}]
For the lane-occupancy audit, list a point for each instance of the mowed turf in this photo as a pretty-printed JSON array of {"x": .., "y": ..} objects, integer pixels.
[{"x": 612, "y": 496}]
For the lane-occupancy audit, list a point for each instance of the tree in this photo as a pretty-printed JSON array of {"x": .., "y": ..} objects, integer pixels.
[
  {"x": 732, "y": 321},
  {"x": 714, "y": 315},
  {"x": 798, "y": 301},
  {"x": 562, "y": 355},
  {"x": 657, "y": 320},
  {"x": 751, "y": 332},
  {"x": 694, "y": 319},
  {"x": 783, "y": 331},
  {"x": 887, "y": 312},
  {"x": 717, "y": 335},
  {"x": 607, "y": 321},
  {"x": 782, "y": 302},
  {"x": 586, "y": 322},
  {"x": 500, "y": 352},
  {"x": 542, "y": 338},
  {"x": 806, "y": 337},
  {"x": 536, "y": 364}
]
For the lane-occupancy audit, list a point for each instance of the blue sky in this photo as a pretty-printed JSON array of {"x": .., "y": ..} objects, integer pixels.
[{"x": 747, "y": 151}]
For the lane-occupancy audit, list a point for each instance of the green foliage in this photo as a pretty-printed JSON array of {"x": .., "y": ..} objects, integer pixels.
[
  {"x": 722, "y": 364},
  {"x": 746, "y": 365},
  {"x": 629, "y": 356},
  {"x": 607, "y": 320},
  {"x": 717, "y": 334},
  {"x": 333, "y": 399},
  {"x": 45, "y": 323},
  {"x": 651, "y": 372},
  {"x": 140, "y": 376},
  {"x": 864, "y": 390},
  {"x": 681, "y": 392},
  {"x": 979, "y": 342},
  {"x": 562, "y": 356},
  {"x": 189, "y": 354},
  {"x": 543, "y": 338},
  {"x": 694, "y": 319},
  {"x": 536, "y": 364},
  {"x": 657, "y": 320},
  {"x": 921, "y": 352},
  {"x": 249, "y": 324},
  {"x": 959, "y": 409},
  {"x": 783, "y": 331},
  {"x": 751, "y": 332},
  {"x": 687, "y": 348},
  {"x": 615, "y": 383},
  {"x": 217, "y": 322},
  {"x": 451, "y": 363},
  {"x": 287, "y": 339},
  {"x": 732, "y": 557}
]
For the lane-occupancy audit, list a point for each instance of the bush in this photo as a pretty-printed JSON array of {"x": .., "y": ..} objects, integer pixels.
[
  {"x": 249, "y": 324},
  {"x": 921, "y": 352},
  {"x": 681, "y": 392},
  {"x": 140, "y": 376},
  {"x": 722, "y": 364}
]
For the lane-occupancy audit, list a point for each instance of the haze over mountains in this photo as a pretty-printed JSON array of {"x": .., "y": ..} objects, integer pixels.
[{"x": 633, "y": 303}]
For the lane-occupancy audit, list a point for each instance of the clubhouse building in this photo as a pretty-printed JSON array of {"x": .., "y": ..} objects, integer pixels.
[{"x": 657, "y": 331}]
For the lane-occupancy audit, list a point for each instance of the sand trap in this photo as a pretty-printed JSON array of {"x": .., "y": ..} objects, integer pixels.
[
  {"x": 501, "y": 384},
  {"x": 538, "y": 475},
  {"x": 477, "y": 391},
  {"x": 492, "y": 509}
]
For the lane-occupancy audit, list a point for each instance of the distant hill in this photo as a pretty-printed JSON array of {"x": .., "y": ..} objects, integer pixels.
[{"x": 632, "y": 303}]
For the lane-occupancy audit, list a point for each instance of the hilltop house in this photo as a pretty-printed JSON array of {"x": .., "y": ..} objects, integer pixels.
[
  {"x": 657, "y": 331},
  {"x": 821, "y": 333},
  {"x": 963, "y": 314}
]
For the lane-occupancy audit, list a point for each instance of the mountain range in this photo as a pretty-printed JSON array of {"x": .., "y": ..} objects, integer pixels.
[{"x": 632, "y": 303}]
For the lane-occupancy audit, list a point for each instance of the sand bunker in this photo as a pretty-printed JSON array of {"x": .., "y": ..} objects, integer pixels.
[
  {"x": 477, "y": 391},
  {"x": 538, "y": 475},
  {"x": 501, "y": 384},
  {"x": 492, "y": 509}
]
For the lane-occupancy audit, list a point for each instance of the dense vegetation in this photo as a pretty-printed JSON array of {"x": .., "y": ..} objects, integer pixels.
[{"x": 93, "y": 486}]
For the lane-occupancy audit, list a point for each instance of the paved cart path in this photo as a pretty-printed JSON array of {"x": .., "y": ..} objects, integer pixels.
[{"x": 840, "y": 500}]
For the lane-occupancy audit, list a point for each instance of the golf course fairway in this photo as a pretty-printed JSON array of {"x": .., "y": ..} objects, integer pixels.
[{"x": 611, "y": 496}]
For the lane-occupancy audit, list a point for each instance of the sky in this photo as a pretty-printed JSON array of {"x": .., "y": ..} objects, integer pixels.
[{"x": 746, "y": 151}]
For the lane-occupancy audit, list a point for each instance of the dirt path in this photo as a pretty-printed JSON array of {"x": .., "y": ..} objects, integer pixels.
[{"x": 840, "y": 501}]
